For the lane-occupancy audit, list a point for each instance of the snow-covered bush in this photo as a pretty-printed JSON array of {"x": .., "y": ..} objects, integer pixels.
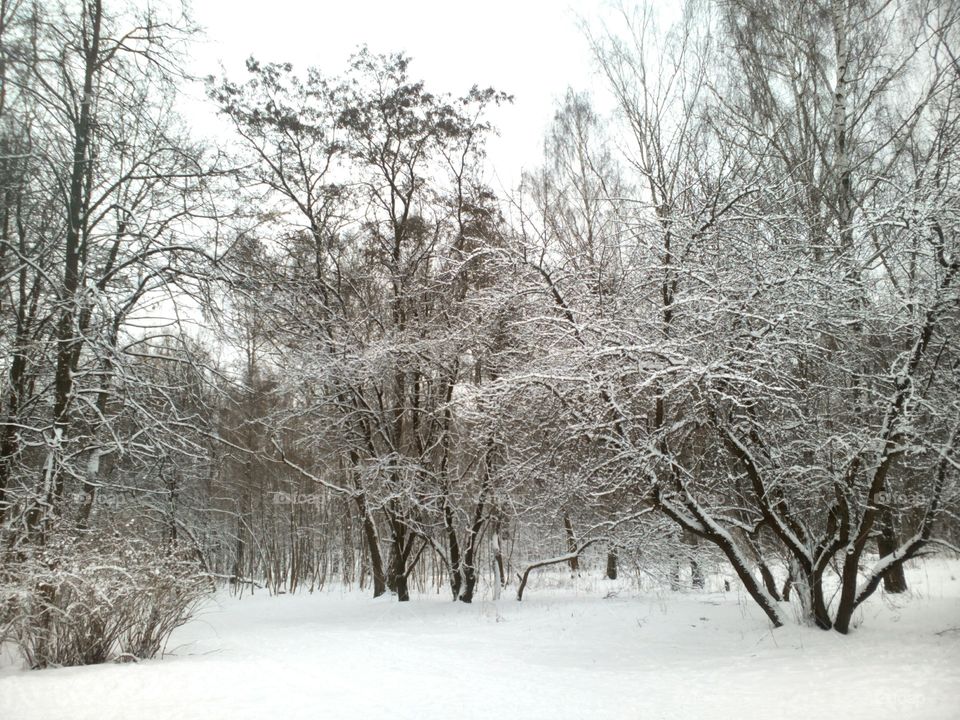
[{"x": 86, "y": 601}]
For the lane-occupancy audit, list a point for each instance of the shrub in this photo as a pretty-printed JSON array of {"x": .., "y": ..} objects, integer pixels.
[{"x": 82, "y": 601}]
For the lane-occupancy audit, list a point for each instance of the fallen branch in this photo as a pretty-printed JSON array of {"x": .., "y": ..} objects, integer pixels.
[
  {"x": 550, "y": 561},
  {"x": 234, "y": 579}
]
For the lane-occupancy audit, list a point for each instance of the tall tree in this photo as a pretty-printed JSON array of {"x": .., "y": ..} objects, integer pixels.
[{"x": 381, "y": 175}]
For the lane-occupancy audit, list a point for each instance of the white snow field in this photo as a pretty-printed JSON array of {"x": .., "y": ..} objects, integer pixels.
[{"x": 564, "y": 652}]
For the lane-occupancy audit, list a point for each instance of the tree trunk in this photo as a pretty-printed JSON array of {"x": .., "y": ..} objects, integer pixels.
[
  {"x": 67, "y": 339},
  {"x": 894, "y": 580},
  {"x": 759, "y": 594},
  {"x": 469, "y": 583},
  {"x": 768, "y": 582},
  {"x": 373, "y": 547},
  {"x": 808, "y": 584},
  {"x": 470, "y": 557},
  {"x": 846, "y": 607},
  {"x": 675, "y": 575},
  {"x": 571, "y": 543},
  {"x": 456, "y": 579},
  {"x": 238, "y": 558},
  {"x": 402, "y": 588},
  {"x": 612, "y": 564},
  {"x": 501, "y": 577},
  {"x": 398, "y": 572},
  {"x": 696, "y": 575},
  {"x": 392, "y": 568},
  {"x": 821, "y": 614}
]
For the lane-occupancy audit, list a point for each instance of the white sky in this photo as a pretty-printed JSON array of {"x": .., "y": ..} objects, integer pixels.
[{"x": 532, "y": 49}]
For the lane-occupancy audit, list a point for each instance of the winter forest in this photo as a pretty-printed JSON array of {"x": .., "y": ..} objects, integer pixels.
[{"x": 701, "y": 365}]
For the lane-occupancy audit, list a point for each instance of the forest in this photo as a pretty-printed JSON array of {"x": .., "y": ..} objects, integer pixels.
[{"x": 715, "y": 333}]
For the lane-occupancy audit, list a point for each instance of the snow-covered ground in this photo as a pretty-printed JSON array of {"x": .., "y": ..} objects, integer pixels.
[{"x": 562, "y": 653}]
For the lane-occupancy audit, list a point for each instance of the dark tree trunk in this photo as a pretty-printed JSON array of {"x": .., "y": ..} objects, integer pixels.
[
  {"x": 67, "y": 339},
  {"x": 469, "y": 568},
  {"x": 571, "y": 543},
  {"x": 392, "y": 569},
  {"x": 399, "y": 552},
  {"x": 696, "y": 575},
  {"x": 768, "y": 582},
  {"x": 764, "y": 600},
  {"x": 238, "y": 558},
  {"x": 612, "y": 564},
  {"x": 821, "y": 615},
  {"x": 894, "y": 580},
  {"x": 373, "y": 547},
  {"x": 498, "y": 556},
  {"x": 848, "y": 591},
  {"x": 470, "y": 557},
  {"x": 402, "y": 589},
  {"x": 727, "y": 545},
  {"x": 456, "y": 579},
  {"x": 238, "y": 561},
  {"x": 469, "y": 583},
  {"x": 10, "y": 443},
  {"x": 93, "y": 469}
]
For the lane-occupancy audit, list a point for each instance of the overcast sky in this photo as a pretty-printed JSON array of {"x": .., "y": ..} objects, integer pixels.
[{"x": 532, "y": 49}]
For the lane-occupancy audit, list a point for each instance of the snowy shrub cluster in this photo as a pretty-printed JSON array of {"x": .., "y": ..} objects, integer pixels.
[{"x": 86, "y": 601}]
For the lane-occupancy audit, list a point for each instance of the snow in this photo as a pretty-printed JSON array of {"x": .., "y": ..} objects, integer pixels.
[{"x": 566, "y": 651}]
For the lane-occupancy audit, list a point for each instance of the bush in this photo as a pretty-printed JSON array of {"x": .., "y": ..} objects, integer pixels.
[{"x": 86, "y": 601}]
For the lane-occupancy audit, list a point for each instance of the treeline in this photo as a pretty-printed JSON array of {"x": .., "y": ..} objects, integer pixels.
[{"x": 719, "y": 325}]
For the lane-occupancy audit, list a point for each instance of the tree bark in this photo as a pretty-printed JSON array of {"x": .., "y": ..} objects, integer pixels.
[
  {"x": 768, "y": 582},
  {"x": 67, "y": 339},
  {"x": 574, "y": 560},
  {"x": 612, "y": 564},
  {"x": 696, "y": 575},
  {"x": 469, "y": 560},
  {"x": 501, "y": 578},
  {"x": 456, "y": 579},
  {"x": 373, "y": 546},
  {"x": 894, "y": 580}
]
